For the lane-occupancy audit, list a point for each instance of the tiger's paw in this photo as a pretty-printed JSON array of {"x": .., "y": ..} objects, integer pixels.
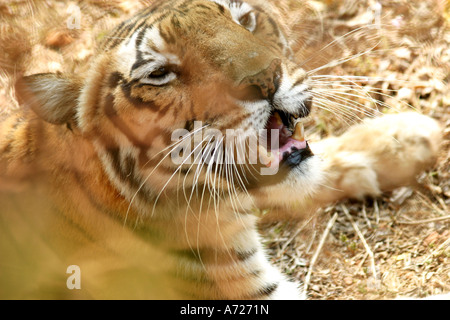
[{"x": 378, "y": 155}]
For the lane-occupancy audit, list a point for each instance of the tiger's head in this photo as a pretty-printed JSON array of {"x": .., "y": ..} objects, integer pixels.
[{"x": 174, "y": 72}]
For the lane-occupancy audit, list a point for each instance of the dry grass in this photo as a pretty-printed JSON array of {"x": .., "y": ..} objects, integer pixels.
[{"x": 397, "y": 245}]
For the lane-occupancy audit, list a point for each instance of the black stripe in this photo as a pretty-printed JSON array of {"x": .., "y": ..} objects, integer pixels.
[
  {"x": 138, "y": 102},
  {"x": 189, "y": 125},
  {"x": 274, "y": 26},
  {"x": 221, "y": 8},
  {"x": 168, "y": 37},
  {"x": 203, "y": 6},
  {"x": 269, "y": 289},
  {"x": 10, "y": 135},
  {"x": 125, "y": 169},
  {"x": 185, "y": 4},
  {"x": 8, "y": 147},
  {"x": 137, "y": 24},
  {"x": 159, "y": 19},
  {"x": 139, "y": 38},
  {"x": 114, "y": 33},
  {"x": 186, "y": 171},
  {"x": 245, "y": 255},
  {"x": 140, "y": 63},
  {"x": 265, "y": 291},
  {"x": 145, "y": 13},
  {"x": 114, "y": 154},
  {"x": 140, "y": 25},
  {"x": 163, "y": 110},
  {"x": 129, "y": 168},
  {"x": 118, "y": 37},
  {"x": 19, "y": 121},
  {"x": 187, "y": 254},
  {"x": 111, "y": 113},
  {"x": 139, "y": 60},
  {"x": 126, "y": 30},
  {"x": 191, "y": 110},
  {"x": 115, "y": 79},
  {"x": 29, "y": 138},
  {"x": 175, "y": 22}
]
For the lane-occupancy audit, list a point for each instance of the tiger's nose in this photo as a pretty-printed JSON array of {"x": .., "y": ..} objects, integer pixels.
[{"x": 263, "y": 85}]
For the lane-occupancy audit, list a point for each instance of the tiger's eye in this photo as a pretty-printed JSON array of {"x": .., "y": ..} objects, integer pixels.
[{"x": 159, "y": 73}]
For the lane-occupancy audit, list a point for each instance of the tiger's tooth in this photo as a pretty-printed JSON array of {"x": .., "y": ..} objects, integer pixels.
[
  {"x": 278, "y": 118},
  {"x": 265, "y": 156},
  {"x": 262, "y": 150},
  {"x": 299, "y": 132}
]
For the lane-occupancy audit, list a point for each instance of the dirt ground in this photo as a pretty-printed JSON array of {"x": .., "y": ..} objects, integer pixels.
[{"x": 376, "y": 57}]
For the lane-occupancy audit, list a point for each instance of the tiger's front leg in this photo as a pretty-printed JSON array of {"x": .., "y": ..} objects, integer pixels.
[
  {"x": 220, "y": 256},
  {"x": 378, "y": 155}
]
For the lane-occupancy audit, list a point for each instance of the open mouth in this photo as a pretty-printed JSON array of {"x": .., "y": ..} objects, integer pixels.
[{"x": 286, "y": 143}]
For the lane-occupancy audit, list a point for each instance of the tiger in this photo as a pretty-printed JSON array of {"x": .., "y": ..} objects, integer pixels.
[{"x": 87, "y": 170}]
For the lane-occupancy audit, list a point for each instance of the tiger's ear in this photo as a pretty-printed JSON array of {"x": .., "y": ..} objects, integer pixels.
[{"x": 53, "y": 97}]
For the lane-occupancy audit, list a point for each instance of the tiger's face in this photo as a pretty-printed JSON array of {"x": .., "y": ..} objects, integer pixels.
[{"x": 194, "y": 66}]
